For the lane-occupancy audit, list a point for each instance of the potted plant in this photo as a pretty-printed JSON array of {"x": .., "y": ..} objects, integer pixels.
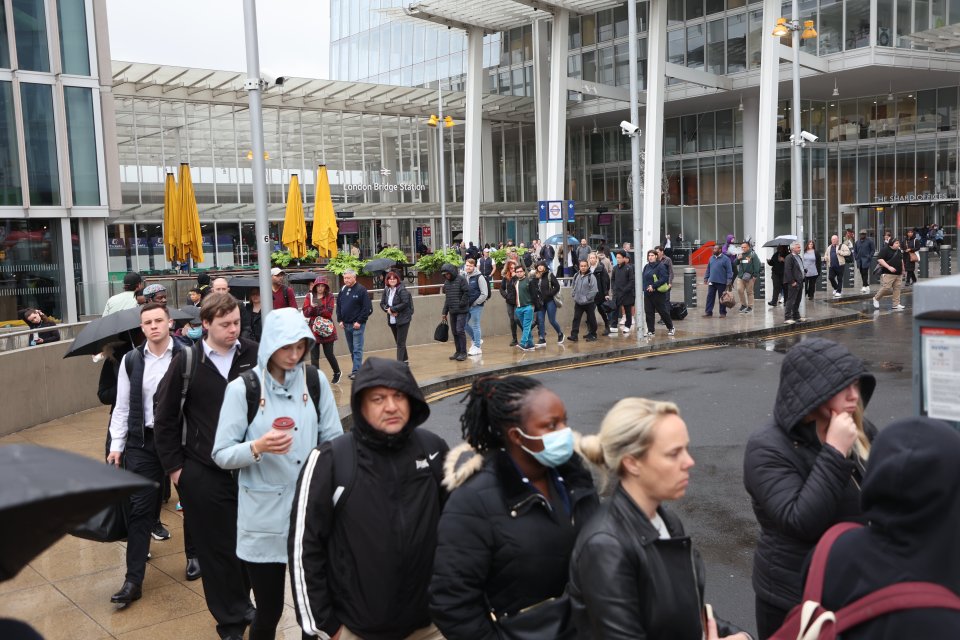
[
  {"x": 343, "y": 261},
  {"x": 393, "y": 253},
  {"x": 500, "y": 256},
  {"x": 428, "y": 269}
]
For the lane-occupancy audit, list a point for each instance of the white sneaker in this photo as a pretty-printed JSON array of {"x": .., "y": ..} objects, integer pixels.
[
  {"x": 864, "y": 289},
  {"x": 837, "y": 294},
  {"x": 613, "y": 331},
  {"x": 898, "y": 307},
  {"x": 626, "y": 329},
  {"x": 474, "y": 351},
  {"x": 876, "y": 303}
]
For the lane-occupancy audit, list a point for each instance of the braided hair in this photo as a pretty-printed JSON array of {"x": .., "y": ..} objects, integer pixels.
[{"x": 494, "y": 404}]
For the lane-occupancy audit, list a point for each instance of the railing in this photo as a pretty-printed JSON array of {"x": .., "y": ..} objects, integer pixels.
[{"x": 20, "y": 338}]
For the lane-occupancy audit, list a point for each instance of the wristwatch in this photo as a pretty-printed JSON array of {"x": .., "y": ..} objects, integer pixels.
[{"x": 253, "y": 452}]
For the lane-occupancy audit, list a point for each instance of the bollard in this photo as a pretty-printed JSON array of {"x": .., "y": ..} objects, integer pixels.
[
  {"x": 759, "y": 288},
  {"x": 924, "y": 266},
  {"x": 945, "y": 260},
  {"x": 874, "y": 274},
  {"x": 690, "y": 287},
  {"x": 849, "y": 274}
]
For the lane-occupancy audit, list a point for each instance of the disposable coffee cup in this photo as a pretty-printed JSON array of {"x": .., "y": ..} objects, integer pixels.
[{"x": 283, "y": 424}]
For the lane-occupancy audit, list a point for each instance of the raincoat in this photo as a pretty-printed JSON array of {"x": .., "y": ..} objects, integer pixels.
[{"x": 267, "y": 487}]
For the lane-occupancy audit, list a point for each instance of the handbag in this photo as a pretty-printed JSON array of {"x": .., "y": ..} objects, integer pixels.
[
  {"x": 322, "y": 327},
  {"x": 442, "y": 332},
  {"x": 108, "y": 525},
  {"x": 558, "y": 299},
  {"x": 547, "y": 619},
  {"x": 727, "y": 299},
  {"x": 914, "y": 256}
]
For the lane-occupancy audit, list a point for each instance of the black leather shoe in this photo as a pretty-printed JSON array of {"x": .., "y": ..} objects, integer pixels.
[
  {"x": 127, "y": 594},
  {"x": 193, "y": 569}
]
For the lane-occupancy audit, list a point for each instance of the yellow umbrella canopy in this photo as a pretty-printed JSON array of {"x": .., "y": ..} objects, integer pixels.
[
  {"x": 324, "y": 236},
  {"x": 171, "y": 220},
  {"x": 294, "y": 226},
  {"x": 190, "y": 242}
]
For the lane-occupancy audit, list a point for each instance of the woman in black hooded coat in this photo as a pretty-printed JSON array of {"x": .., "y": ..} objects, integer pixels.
[
  {"x": 912, "y": 506},
  {"x": 803, "y": 470}
]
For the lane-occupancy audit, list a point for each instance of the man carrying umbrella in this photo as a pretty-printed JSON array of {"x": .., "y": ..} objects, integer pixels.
[{"x": 131, "y": 437}]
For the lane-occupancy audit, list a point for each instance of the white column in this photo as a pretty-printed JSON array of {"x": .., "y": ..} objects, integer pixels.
[
  {"x": 767, "y": 125},
  {"x": 473, "y": 129},
  {"x": 557, "y": 118},
  {"x": 541, "y": 102},
  {"x": 748, "y": 184},
  {"x": 94, "y": 264},
  {"x": 653, "y": 127},
  {"x": 486, "y": 162},
  {"x": 67, "y": 277}
]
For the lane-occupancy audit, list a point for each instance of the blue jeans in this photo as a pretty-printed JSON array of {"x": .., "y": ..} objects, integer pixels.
[
  {"x": 714, "y": 291},
  {"x": 355, "y": 343},
  {"x": 525, "y": 318},
  {"x": 473, "y": 324},
  {"x": 549, "y": 310}
]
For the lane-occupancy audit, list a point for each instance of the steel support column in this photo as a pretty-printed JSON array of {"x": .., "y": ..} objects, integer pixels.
[
  {"x": 653, "y": 127},
  {"x": 557, "y": 119},
  {"x": 767, "y": 125},
  {"x": 473, "y": 137}
]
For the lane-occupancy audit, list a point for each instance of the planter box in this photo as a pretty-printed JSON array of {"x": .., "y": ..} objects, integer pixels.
[{"x": 423, "y": 280}]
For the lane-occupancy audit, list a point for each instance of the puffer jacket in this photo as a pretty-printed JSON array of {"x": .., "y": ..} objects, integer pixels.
[
  {"x": 800, "y": 487},
  {"x": 627, "y": 583},
  {"x": 501, "y": 545},
  {"x": 912, "y": 506},
  {"x": 623, "y": 286},
  {"x": 456, "y": 291}
]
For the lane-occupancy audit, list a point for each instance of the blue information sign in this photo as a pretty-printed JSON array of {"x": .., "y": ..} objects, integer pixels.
[{"x": 552, "y": 210}]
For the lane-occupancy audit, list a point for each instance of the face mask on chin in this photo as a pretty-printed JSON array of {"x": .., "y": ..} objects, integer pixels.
[{"x": 557, "y": 447}]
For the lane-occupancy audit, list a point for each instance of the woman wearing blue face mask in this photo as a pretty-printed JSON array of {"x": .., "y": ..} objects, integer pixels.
[{"x": 519, "y": 495}]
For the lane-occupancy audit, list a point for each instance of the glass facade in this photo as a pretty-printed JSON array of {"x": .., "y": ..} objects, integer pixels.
[
  {"x": 74, "y": 49},
  {"x": 82, "y": 144},
  {"x": 40, "y": 142},
  {"x": 10, "y": 191},
  {"x": 30, "y": 26}
]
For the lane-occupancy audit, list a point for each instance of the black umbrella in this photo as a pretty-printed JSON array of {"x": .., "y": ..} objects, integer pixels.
[
  {"x": 780, "y": 241},
  {"x": 192, "y": 311},
  {"x": 44, "y": 493},
  {"x": 598, "y": 236},
  {"x": 109, "y": 328},
  {"x": 302, "y": 276},
  {"x": 244, "y": 282},
  {"x": 379, "y": 264}
]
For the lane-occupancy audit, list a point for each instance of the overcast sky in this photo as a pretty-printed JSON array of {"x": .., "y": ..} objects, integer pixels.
[{"x": 208, "y": 34}]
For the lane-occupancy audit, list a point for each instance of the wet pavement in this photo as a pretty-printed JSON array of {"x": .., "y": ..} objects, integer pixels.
[{"x": 724, "y": 391}]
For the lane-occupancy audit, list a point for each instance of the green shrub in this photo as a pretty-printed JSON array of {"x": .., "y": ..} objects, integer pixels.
[{"x": 431, "y": 262}]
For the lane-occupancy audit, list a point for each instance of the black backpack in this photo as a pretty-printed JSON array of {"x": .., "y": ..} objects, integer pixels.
[{"x": 252, "y": 383}]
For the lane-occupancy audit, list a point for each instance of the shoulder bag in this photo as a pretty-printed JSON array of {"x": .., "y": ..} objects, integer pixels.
[{"x": 547, "y": 619}]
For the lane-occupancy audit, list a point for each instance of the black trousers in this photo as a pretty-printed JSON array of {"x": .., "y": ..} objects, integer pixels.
[
  {"x": 810, "y": 284},
  {"x": 327, "y": 353},
  {"x": 791, "y": 301},
  {"x": 776, "y": 283},
  {"x": 911, "y": 271},
  {"x": 511, "y": 312},
  {"x": 458, "y": 325},
  {"x": 143, "y": 506},
  {"x": 657, "y": 302},
  {"x": 769, "y": 618},
  {"x": 836, "y": 278},
  {"x": 211, "y": 497},
  {"x": 268, "y": 580},
  {"x": 597, "y": 302},
  {"x": 627, "y": 311},
  {"x": 578, "y": 312},
  {"x": 865, "y": 276},
  {"x": 399, "y": 332}
]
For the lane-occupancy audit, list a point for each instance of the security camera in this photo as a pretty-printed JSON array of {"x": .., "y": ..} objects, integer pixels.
[
  {"x": 629, "y": 129},
  {"x": 270, "y": 80},
  {"x": 809, "y": 137}
]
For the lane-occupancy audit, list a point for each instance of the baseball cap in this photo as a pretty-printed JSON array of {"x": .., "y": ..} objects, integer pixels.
[
  {"x": 131, "y": 279},
  {"x": 487, "y": 250},
  {"x": 276, "y": 271},
  {"x": 153, "y": 290}
]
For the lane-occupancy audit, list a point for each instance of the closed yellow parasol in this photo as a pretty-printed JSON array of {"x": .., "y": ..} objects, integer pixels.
[
  {"x": 189, "y": 241},
  {"x": 294, "y": 226},
  {"x": 171, "y": 219},
  {"x": 324, "y": 236}
]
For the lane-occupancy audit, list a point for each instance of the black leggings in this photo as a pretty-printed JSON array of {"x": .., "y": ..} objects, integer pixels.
[
  {"x": 811, "y": 285},
  {"x": 267, "y": 580},
  {"x": 327, "y": 353}
]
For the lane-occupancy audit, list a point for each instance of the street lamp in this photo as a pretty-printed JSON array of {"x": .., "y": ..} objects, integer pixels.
[
  {"x": 800, "y": 31},
  {"x": 435, "y": 121}
]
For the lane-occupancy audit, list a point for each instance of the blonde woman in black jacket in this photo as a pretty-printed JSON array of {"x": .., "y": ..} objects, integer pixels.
[
  {"x": 803, "y": 470},
  {"x": 634, "y": 572}
]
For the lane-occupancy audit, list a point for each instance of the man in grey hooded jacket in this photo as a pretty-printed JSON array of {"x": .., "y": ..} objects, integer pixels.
[{"x": 584, "y": 302}]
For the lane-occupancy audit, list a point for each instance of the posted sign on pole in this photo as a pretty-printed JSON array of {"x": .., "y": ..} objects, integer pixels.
[{"x": 553, "y": 210}]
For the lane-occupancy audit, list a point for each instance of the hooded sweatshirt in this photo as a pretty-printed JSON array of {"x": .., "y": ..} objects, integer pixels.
[
  {"x": 267, "y": 486},
  {"x": 367, "y": 562},
  {"x": 912, "y": 506},
  {"x": 800, "y": 487}
]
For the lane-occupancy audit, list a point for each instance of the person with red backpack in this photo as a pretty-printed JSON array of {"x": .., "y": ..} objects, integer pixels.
[{"x": 283, "y": 295}]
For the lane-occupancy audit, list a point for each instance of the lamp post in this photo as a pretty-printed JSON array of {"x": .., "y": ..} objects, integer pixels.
[
  {"x": 799, "y": 32},
  {"x": 435, "y": 121}
]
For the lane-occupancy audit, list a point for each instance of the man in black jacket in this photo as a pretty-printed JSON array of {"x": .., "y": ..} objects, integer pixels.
[
  {"x": 793, "y": 277},
  {"x": 208, "y": 493},
  {"x": 603, "y": 288},
  {"x": 361, "y": 555},
  {"x": 457, "y": 305},
  {"x": 624, "y": 291},
  {"x": 353, "y": 310}
]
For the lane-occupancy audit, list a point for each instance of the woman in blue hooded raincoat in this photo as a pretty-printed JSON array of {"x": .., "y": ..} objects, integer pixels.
[{"x": 269, "y": 459}]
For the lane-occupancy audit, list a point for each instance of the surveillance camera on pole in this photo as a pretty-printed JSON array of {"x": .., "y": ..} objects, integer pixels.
[
  {"x": 805, "y": 137},
  {"x": 269, "y": 80},
  {"x": 629, "y": 129}
]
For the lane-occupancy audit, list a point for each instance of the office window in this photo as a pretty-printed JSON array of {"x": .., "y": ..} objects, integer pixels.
[
  {"x": 675, "y": 46},
  {"x": 622, "y": 63},
  {"x": 605, "y": 64},
  {"x": 755, "y": 42},
  {"x": 737, "y": 43},
  {"x": 40, "y": 143},
  {"x": 858, "y": 23},
  {"x": 830, "y": 27},
  {"x": 695, "y": 46},
  {"x": 588, "y": 29},
  {"x": 694, "y": 9},
  {"x": 74, "y": 52},
  {"x": 621, "y": 27},
  {"x": 9, "y": 163},
  {"x": 605, "y": 25},
  {"x": 716, "y": 37},
  {"x": 573, "y": 37},
  {"x": 30, "y": 25},
  {"x": 885, "y": 22},
  {"x": 82, "y": 140},
  {"x": 4, "y": 45}
]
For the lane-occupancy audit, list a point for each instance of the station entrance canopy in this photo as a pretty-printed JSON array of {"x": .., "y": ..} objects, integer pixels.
[{"x": 493, "y": 16}]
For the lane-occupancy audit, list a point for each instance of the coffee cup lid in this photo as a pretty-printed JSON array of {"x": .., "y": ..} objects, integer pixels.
[{"x": 283, "y": 423}]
